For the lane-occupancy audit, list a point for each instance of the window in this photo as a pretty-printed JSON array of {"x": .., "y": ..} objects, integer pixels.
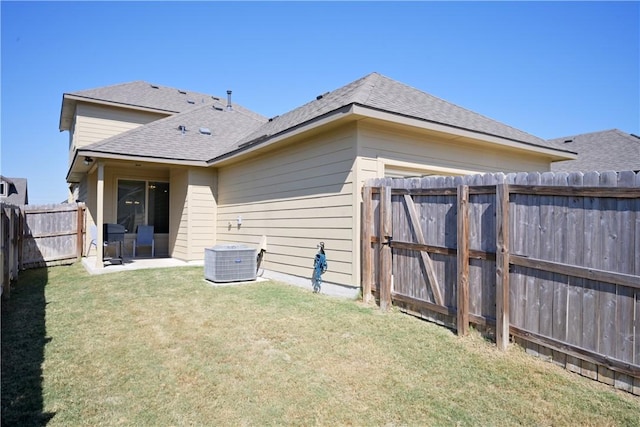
[
  {"x": 143, "y": 203},
  {"x": 3, "y": 188}
]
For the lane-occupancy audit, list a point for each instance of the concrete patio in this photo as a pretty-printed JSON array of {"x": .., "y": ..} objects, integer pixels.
[{"x": 129, "y": 264}]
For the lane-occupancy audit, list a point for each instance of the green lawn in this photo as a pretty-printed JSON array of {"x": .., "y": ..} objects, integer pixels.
[{"x": 163, "y": 347}]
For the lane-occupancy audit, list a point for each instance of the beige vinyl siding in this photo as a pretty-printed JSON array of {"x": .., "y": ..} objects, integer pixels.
[
  {"x": 178, "y": 216},
  {"x": 94, "y": 123},
  {"x": 296, "y": 196},
  {"x": 376, "y": 142},
  {"x": 201, "y": 212}
]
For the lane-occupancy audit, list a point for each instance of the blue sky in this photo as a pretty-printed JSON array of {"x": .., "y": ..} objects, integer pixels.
[{"x": 552, "y": 69}]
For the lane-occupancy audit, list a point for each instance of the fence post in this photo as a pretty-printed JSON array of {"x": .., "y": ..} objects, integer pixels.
[
  {"x": 502, "y": 266},
  {"x": 80, "y": 230},
  {"x": 385, "y": 248},
  {"x": 367, "y": 256},
  {"x": 463, "y": 260}
]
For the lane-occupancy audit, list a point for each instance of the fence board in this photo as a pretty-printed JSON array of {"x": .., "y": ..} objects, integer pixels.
[
  {"x": 574, "y": 233},
  {"x": 607, "y": 245},
  {"x": 517, "y": 278},
  {"x": 560, "y": 282},
  {"x": 532, "y": 320},
  {"x": 462, "y": 305}
]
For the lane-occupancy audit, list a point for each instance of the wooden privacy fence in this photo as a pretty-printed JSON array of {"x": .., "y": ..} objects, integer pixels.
[
  {"x": 551, "y": 259},
  {"x": 36, "y": 236}
]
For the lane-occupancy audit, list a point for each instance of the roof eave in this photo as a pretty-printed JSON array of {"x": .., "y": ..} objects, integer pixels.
[{"x": 77, "y": 168}]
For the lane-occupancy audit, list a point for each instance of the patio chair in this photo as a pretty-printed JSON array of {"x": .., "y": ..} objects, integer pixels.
[{"x": 144, "y": 237}]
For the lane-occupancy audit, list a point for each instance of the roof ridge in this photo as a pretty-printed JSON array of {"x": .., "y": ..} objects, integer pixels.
[{"x": 590, "y": 133}]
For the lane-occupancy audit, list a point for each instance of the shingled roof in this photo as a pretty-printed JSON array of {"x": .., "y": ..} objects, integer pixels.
[
  {"x": 147, "y": 95},
  {"x": 382, "y": 93},
  {"x": 199, "y": 134},
  {"x": 233, "y": 132},
  {"x": 608, "y": 150}
]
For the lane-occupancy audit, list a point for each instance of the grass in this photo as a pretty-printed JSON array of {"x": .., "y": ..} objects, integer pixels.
[{"x": 162, "y": 347}]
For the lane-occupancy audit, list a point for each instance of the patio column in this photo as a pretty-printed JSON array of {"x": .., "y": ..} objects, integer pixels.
[{"x": 100, "y": 217}]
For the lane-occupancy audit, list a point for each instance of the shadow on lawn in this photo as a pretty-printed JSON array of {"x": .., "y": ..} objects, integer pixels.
[{"x": 23, "y": 341}]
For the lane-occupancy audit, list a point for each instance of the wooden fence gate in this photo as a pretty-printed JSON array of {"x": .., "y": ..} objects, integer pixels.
[{"x": 552, "y": 260}]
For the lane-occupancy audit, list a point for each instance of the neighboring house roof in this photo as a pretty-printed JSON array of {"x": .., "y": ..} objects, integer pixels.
[
  {"x": 16, "y": 190},
  {"x": 600, "y": 151},
  {"x": 241, "y": 129},
  {"x": 382, "y": 93}
]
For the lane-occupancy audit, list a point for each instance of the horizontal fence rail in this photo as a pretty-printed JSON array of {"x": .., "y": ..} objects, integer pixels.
[{"x": 551, "y": 259}]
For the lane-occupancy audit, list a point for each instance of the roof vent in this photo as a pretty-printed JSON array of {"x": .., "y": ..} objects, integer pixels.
[
  {"x": 215, "y": 98},
  {"x": 319, "y": 97},
  {"x": 182, "y": 128},
  {"x": 218, "y": 108},
  {"x": 273, "y": 118},
  {"x": 191, "y": 101},
  {"x": 182, "y": 92},
  {"x": 566, "y": 141},
  {"x": 154, "y": 87},
  {"x": 229, "y": 107},
  {"x": 205, "y": 131}
]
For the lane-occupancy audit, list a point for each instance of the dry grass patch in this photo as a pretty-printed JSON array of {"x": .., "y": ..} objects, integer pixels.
[{"x": 162, "y": 347}]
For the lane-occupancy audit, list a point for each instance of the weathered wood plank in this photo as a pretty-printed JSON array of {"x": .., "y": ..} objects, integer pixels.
[
  {"x": 590, "y": 323},
  {"x": 545, "y": 250},
  {"x": 532, "y": 320},
  {"x": 575, "y": 235},
  {"x": 463, "y": 261},
  {"x": 624, "y": 340},
  {"x": 426, "y": 259},
  {"x": 385, "y": 248},
  {"x": 607, "y": 245},
  {"x": 488, "y": 244},
  {"x": 502, "y": 266},
  {"x": 518, "y": 232},
  {"x": 475, "y": 242}
]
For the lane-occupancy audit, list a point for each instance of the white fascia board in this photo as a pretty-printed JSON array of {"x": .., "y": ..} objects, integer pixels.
[
  {"x": 462, "y": 133},
  {"x": 146, "y": 159}
]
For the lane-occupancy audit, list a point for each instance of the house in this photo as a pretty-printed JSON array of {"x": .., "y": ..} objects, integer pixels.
[
  {"x": 13, "y": 191},
  {"x": 608, "y": 150},
  {"x": 204, "y": 170}
]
